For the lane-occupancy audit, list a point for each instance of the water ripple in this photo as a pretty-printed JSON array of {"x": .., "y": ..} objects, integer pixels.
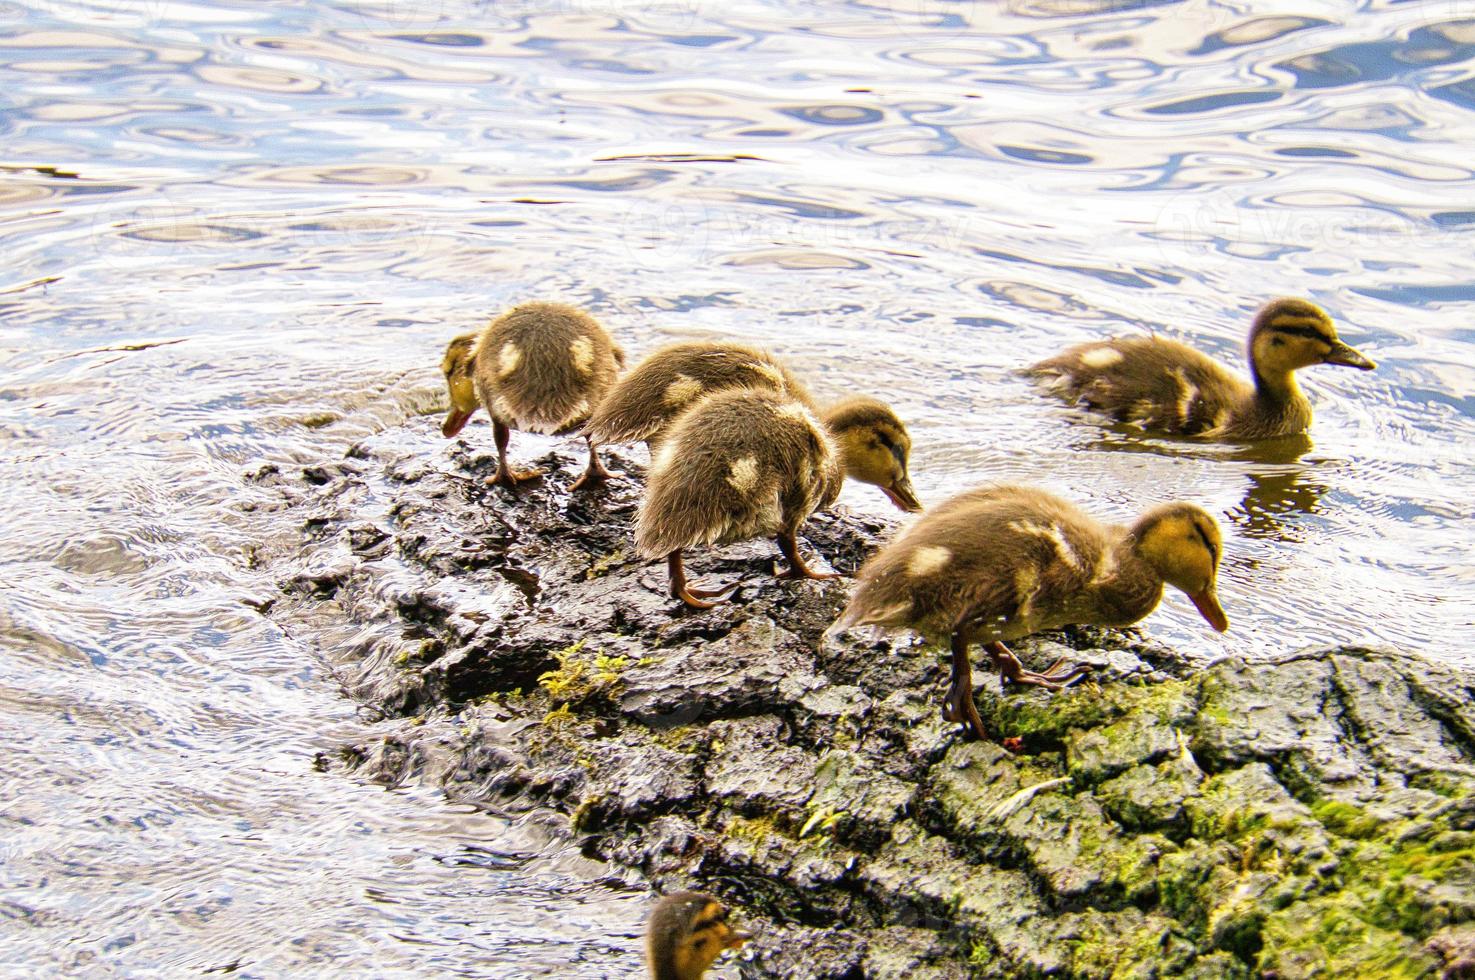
[{"x": 239, "y": 233}]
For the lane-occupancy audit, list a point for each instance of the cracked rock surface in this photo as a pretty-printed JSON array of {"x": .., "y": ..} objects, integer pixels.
[{"x": 1305, "y": 818}]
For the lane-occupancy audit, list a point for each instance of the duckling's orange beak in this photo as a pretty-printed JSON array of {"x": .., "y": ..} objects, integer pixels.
[
  {"x": 903, "y": 496},
  {"x": 455, "y": 421},
  {"x": 1349, "y": 357},
  {"x": 1208, "y": 607},
  {"x": 737, "y": 937}
]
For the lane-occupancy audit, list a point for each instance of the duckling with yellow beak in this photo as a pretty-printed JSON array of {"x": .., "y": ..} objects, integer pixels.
[
  {"x": 686, "y": 932},
  {"x": 745, "y": 463},
  {"x": 645, "y": 403},
  {"x": 1002, "y": 562},
  {"x": 875, "y": 447},
  {"x": 1169, "y": 387},
  {"x": 539, "y": 367}
]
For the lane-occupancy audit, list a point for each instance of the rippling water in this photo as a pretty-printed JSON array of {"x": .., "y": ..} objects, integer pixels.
[{"x": 237, "y": 232}]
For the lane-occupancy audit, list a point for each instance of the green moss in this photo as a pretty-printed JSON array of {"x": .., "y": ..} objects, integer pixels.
[
  {"x": 1326, "y": 937},
  {"x": 1127, "y": 944},
  {"x": 756, "y": 833},
  {"x": 601, "y": 566},
  {"x": 1038, "y": 717},
  {"x": 1133, "y": 867},
  {"x": 318, "y": 420},
  {"x": 1346, "y": 820}
]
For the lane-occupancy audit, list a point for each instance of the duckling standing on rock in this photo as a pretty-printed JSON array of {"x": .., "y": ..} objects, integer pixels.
[
  {"x": 1167, "y": 386},
  {"x": 686, "y": 932},
  {"x": 539, "y": 367},
  {"x": 739, "y": 464},
  {"x": 745, "y": 463},
  {"x": 645, "y": 403},
  {"x": 999, "y": 563}
]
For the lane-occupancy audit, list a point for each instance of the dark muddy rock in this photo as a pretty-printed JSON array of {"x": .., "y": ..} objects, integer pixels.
[{"x": 1311, "y": 817}]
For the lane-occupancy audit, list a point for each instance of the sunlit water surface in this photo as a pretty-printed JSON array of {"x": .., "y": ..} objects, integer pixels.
[{"x": 227, "y": 224}]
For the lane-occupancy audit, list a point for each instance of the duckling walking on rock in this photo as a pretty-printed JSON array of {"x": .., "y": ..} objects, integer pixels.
[
  {"x": 739, "y": 464},
  {"x": 685, "y": 933},
  {"x": 1169, "y": 387},
  {"x": 1002, "y": 562},
  {"x": 539, "y": 367}
]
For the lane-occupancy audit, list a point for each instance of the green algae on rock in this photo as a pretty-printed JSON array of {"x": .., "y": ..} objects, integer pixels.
[{"x": 1312, "y": 817}]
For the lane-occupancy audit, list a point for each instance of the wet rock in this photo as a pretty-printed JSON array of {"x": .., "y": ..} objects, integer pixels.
[{"x": 1311, "y": 817}]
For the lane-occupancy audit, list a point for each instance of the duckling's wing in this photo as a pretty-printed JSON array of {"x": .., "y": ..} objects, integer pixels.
[
  {"x": 998, "y": 560},
  {"x": 667, "y": 382},
  {"x": 1154, "y": 382}
]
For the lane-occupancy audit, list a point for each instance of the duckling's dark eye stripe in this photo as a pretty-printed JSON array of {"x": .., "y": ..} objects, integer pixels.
[
  {"x": 1310, "y": 333},
  {"x": 709, "y": 918},
  {"x": 893, "y": 448},
  {"x": 1213, "y": 552}
]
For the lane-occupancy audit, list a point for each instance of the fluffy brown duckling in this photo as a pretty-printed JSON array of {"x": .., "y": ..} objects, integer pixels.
[
  {"x": 1169, "y": 387},
  {"x": 1002, "y": 562},
  {"x": 685, "y": 933},
  {"x": 645, "y": 403},
  {"x": 739, "y": 464},
  {"x": 539, "y": 367}
]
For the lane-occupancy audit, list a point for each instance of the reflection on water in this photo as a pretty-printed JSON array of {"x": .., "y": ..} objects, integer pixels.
[
  {"x": 242, "y": 232},
  {"x": 1275, "y": 503}
]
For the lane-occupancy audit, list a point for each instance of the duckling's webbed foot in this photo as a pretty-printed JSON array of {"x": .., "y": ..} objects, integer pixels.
[
  {"x": 1055, "y": 677},
  {"x": 959, "y": 706},
  {"x": 789, "y": 545},
  {"x": 594, "y": 474},
  {"x": 693, "y": 597},
  {"x": 506, "y": 476}
]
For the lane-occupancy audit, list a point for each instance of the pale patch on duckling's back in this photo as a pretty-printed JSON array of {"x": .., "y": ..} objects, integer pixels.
[
  {"x": 508, "y": 359},
  {"x": 1052, "y": 533},
  {"x": 928, "y": 560},
  {"x": 681, "y": 390},
  {"x": 772, "y": 375},
  {"x": 581, "y": 354},
  {"x": 743, "y": 474},
  {"x": 1101, "y": 357}
]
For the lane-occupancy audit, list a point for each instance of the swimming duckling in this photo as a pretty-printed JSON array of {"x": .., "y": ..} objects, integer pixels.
[
  {"x": 539, "y": 367},
  {"x": 1170, "y": 387},
  {"x": 739, "y": 464},
  {"x": 1002, "y": 562},
  {"x": 686, "y": 932},
  {"x": 643, "y": 404}
]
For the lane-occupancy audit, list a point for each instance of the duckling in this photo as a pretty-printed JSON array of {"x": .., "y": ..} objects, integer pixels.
[
  {"x": 998, "y": 563},
  {"x": 685, "y": 933},
  {"x": 644, "y": 403},
  {"x": 875, "y": 447},
  {"x": 539, "y": 367},
  {"x": 739, "y": 464},
  {"x": 1167, "y": 386}
]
